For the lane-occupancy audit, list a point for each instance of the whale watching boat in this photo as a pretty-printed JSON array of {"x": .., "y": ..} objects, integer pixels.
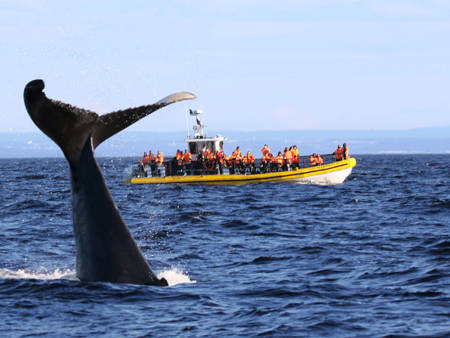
[{"x": 205, "y": 163}]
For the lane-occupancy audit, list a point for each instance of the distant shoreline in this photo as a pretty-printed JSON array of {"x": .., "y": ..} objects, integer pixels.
[{"x": 135, "y": 143}]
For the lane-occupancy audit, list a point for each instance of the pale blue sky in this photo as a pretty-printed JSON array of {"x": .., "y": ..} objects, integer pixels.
[{"x": 254, "y": 64}]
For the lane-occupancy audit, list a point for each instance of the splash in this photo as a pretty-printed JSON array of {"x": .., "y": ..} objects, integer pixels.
[
  {"x": 41, "y": 274},
  {"x": 175, "y": 276}
]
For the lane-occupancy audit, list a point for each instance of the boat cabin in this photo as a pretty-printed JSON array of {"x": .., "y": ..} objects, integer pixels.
[{"x": 196, "y": 143}]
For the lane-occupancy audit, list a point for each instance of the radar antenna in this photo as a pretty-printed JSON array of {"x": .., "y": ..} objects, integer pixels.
[{"x": 199, "y": 129}]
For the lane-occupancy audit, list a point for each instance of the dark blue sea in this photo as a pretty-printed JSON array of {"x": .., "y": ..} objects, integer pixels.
[{"x": 370, "y": 257}]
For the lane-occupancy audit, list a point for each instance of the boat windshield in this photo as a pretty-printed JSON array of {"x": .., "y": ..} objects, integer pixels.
[{"x": 196, "y": 147}]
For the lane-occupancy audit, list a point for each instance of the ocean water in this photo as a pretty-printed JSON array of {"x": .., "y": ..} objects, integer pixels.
[{"x": 370, "y": 257}]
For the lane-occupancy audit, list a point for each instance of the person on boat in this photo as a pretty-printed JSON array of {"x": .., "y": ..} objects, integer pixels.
[
  {"x": 279, "y": 161},
  {"x": 206, "y": 154},
  {"x": 249, "y": 162},
  {"x": 287, "y": 156},
  {"x": 265, "y": 150},
  {"x": 265, "y": 163},
  {"x": 151, "y": 161},
  {"x": 178, "y": 162},
  {"x": 345, "y": 151},
  {"x": 220, "y": 160},
  {"x": 312, "y": 160},
  {"x": 228, "y": 163},
  {"x": 212, "y": 163},
  {"x": 237, "y": 161},
  {"x": 187, "y": 162},
  {"x": 237, "y": 152},
  {"x": 144, "y": 159},
  {"x": 338, "y": 153},
  {"x": 159, "y": 160},
  {"x": 295, "y": 157},
  {"x": 319, "y": 159}
]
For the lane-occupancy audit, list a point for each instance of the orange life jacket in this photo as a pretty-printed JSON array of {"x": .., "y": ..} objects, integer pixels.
[
  {"x": 237, "y": 153},
  {"x": 187, "y": 157},
  {"x": 312, "y": 160},
  {"x": 338, "y": 153},
  {"x": 206, "y": 154},
  {"x": 220, "y": 155},
  {"x": 346, "y": 155},
  {"x": 151, "y": 157},
  {"x": 179, "y": 158},
  {"x": 288, "y": 157},
  {"x": 237, "y": 159},
  {"x": 159, "y": 158},
  {"x": 279, "y": 160},
  {"x": 319, "y": 160},
  {"x": 144, "y": 160}
]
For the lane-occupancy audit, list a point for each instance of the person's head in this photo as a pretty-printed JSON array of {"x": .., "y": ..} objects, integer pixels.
[{"x": 345, "y": 144}]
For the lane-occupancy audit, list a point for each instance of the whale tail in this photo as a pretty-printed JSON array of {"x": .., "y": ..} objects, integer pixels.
[
  {"x": 106, "y": 250},
  {"x": 70, "y": 127}
]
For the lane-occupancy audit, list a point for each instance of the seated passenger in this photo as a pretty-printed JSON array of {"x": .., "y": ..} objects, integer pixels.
[
  {"x": 228, "y": 163},
  {"x": 249, "y": 162},
  {"x": 319, "y": 160},
  {"x": 312, "y": 160},
  {"x": 279, "y": 161}
]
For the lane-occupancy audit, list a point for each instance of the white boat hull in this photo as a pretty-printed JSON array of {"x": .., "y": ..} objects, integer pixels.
[{"x": 331, "y": 178}]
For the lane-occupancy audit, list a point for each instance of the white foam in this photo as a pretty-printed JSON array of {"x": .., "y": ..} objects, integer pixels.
[
  {"x": 42, "y": 274},
  {"x": 175, "y": 276}
]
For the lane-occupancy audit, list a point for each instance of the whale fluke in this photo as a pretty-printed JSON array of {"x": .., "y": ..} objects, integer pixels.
[
  {"x": 106, "y": 251},
  {"x": 109, "y": 124}
]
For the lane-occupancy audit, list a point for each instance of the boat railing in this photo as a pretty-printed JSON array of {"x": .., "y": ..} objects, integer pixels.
[{"x": 171, "y": 168}]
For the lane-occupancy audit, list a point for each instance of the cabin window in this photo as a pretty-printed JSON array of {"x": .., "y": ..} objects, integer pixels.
[{"x": 193, "y": 148}]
